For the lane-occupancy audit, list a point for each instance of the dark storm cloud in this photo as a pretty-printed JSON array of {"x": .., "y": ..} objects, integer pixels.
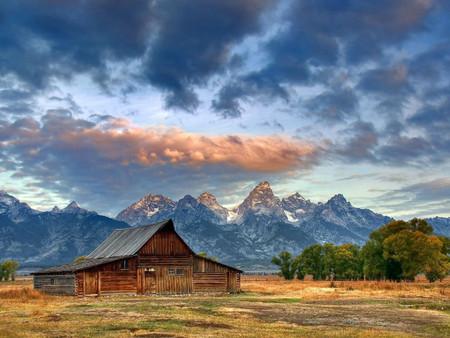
[
  {"x": 178, "y": 44},
  {"x": 323, "y": 34},
  {"x": 386, "y": 81},
  {"x": 194, "y": 41},
  {"x": 45, "y": 39},
  {"x": 333, "y": 106},
  {"x": 360, "y": 144}
]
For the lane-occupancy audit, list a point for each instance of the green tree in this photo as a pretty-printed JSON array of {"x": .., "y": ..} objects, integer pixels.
[
  {"x": 313, "y": 261},
  {"x": 297, "y": 264},
  {"x": 329, "y": 262},
  {"x": 2, "y": 271},
  {"x": 347, "y": 262},
  {"x": 205, "y": 255},
  {"x": 284, "y": 261},
  {"x": 374, "y": 265},
  {"x": 10, "y": 269},
  {"x": 417, "y": 250}
]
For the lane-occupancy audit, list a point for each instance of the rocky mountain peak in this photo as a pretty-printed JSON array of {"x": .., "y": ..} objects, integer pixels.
[
  {"x": 72, "y": 206},
  {"x": 7, "y": 198},
  {"x": 261, "y": 194},
  {"x": 55, "y": 209},
  {"x": 339, "y": 200},
  {"x": 150, "y": 208},
  {"x": 260, "y": 201},
  {"x": 187, "y": 202},
  {"x": 209, "y": 200}
]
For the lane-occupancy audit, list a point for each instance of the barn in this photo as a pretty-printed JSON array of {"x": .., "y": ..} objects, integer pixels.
[{"x": 150, "y": 259}]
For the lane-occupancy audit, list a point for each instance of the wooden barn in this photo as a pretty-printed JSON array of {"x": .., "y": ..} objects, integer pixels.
[{"x": 151, "y": 259}]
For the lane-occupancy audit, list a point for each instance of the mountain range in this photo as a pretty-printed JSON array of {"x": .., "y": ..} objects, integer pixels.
[{"x": 247, "y": 235}]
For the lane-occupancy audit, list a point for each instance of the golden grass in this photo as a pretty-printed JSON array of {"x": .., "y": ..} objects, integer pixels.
[{"x": 269, "y": 307}]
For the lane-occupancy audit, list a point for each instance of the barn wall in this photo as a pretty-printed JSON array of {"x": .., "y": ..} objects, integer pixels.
[
  {"x": 149, "y": 261},
  {"x": 210, "y": 282},
  {"x": 60, "y": 285},
  {"x": 205, "y": 265},
  {"x": 109, "y": 279},
  {"x": 174, "y": 284},
  {"x": 165, "y": 243}
]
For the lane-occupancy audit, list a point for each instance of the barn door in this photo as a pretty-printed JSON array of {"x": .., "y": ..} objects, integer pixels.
[
  {"x": 90, "y": 283},
  {"x": 150, "y": 282}
]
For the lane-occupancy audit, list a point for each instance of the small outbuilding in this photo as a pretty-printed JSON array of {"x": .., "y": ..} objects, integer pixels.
[{"x": 150, "y": 259}]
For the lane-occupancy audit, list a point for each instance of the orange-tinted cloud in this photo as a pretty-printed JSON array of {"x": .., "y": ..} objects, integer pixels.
[{"x": 174, "y": 146}]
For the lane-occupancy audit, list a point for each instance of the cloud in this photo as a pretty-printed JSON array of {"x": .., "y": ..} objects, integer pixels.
[
  {"x": 360, "y": 145},
  {"x": 42, "y": 40},
  {"x": 321, "y": 35},
  {"x": 80, "y": 158},
  {"x": 333, "y": 105},
  {"x": 194, "y": 42},
  {"x": 423, "y": 199}
]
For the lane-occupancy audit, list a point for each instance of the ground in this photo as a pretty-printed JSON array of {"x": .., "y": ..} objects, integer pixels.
[{"x": 268, "y": 307}]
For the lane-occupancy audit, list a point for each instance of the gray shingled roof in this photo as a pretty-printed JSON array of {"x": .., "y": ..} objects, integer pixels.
[
  {"x": 126, "y": 242},
  {"x": 80, "y": 265}
]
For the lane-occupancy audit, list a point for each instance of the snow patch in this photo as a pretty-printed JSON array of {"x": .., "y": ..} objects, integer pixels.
[
  {"x": 232, "y": 215},
  {"x": 290, "y": 216}
]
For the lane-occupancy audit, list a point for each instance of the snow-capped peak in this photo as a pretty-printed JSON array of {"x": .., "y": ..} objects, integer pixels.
[
  {"x": 209, "y": 200},
  {"x": 7, "y": 198}
]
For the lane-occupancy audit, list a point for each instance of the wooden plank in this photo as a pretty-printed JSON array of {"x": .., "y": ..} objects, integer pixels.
[
  {"x": 165, "y": 260},
  {"x": 99, "y": 283},
  {"x": 165, "y": 243}
]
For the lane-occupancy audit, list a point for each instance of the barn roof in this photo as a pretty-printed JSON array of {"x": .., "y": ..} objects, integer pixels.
[
  {"x": 80, "y": 265},
  {"x": 128, "y": 241}
]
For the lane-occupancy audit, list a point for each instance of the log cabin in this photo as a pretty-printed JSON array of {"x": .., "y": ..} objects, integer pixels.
[{"x": 150, "y": 259}]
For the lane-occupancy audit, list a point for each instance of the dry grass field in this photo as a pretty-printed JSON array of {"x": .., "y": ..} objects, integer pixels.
[{"x": 268, "y": 307}]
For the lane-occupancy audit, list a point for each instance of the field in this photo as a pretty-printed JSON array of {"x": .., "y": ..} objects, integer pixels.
[{"x": 268, "y": 307}]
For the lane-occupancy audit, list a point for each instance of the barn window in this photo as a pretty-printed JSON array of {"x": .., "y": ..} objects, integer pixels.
[
  {"x": 124, "y": 264},
  {"x": 52, "y": 281},
  {"x": 179, "y": 271},
  {"x": 171, "y": 271}
]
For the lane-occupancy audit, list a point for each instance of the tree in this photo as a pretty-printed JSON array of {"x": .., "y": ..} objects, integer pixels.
[
  {"x": 10, "y": 269},
  {"x": 313, "y": 262},
  {"x": 329, "y": 262},
  {"x": 2, "y": 271},
  {"x": 347, "y": 262},
  {"x": 417, "y": 250},
  {"x": 374, "y": 265},
  {"x": 284, "y": 261},
  {"x": 205, "y": 255}
]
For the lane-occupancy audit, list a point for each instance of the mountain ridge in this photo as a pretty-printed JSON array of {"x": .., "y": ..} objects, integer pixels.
[{"x": 247, "y": 235}]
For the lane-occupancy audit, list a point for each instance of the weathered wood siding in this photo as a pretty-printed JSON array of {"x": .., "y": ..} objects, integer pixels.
[
  {"x": 108, "y": 279},
  {"x": 80, "y": 284},
  {"x": 60, "y": 285},
  {"x": 160, "y": 260},
  {"x": 210, "y": 276},
  {"x": 165, "y": 243},
  {"x": 210, "y": 282},
  {"x": 173, "y": 283},
  {"x": 205, "y": 265}
]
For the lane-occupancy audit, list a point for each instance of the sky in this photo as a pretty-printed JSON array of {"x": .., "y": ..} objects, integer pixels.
[{"x": 103, "y": 102}]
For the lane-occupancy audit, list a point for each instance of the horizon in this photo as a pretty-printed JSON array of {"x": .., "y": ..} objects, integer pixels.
[{"x": 317, "y": 97}]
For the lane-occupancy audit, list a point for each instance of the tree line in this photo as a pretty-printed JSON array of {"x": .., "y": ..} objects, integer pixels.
[
  {"x": 399, "y": 250},
  {"x": 8, "y": 270}
]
